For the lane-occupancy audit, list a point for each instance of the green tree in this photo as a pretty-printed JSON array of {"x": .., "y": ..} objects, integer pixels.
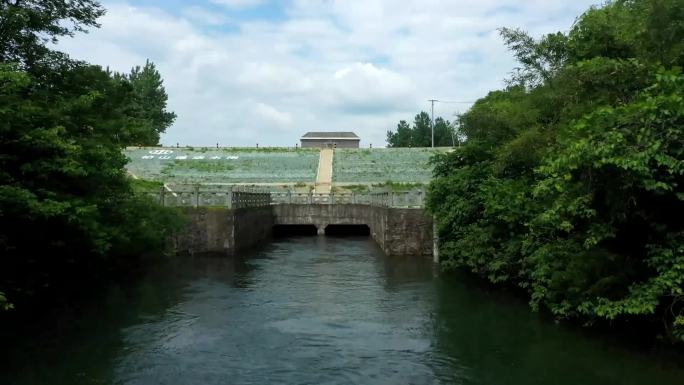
[
  {"x": 401, "y": 138},
  {"x": 67, "y": 209},
  {"x": 539, "y": 60},
  {"x": 570, "y": 182},
  {"x": 616, "y": 192},
  {"x": 26, "y": 26},
  {"x": 151, "y": 98},
  {"x": 422, "y": 130},
  {"x": 64, "y": 194},
  {"x": 420, "y": 135}
]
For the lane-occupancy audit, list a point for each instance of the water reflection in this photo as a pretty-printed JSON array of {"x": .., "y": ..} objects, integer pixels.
[
  {"x": 317, "y": 310},
  {"x": 501, "y": 342}
]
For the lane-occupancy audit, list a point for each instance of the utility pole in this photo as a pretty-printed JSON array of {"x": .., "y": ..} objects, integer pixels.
[
  {"x": 432, "y": 119},
  {"x": 454, "y": 136}
]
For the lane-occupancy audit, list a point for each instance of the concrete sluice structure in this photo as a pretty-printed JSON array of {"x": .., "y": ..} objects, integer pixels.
[
  {"x": 226, "y": 231},
  {"x": 238, "y": 197}
]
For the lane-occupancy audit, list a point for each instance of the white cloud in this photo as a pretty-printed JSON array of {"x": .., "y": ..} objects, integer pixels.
[
  {"x": 237, "y": 3},
  {"x": 273, "y": 78},
  {"x": 323, "y": 65},
  {"x": 272, "y": 114},
  {"x": 203, "y": 16},
  {"x": 365, "y": 88}
]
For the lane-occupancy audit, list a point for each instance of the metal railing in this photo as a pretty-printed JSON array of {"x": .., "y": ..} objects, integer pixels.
[
  {"x": 234, "y": 198},
  {"x": 195, "y": 197},
  {"x": 414, "y": 198}
]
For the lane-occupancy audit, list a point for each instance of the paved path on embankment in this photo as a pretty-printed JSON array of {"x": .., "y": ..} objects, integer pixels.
[{"x": 325, "y": 169}]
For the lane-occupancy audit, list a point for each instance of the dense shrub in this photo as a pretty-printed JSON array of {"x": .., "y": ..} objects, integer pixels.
[{"x": 570, "y": 184}]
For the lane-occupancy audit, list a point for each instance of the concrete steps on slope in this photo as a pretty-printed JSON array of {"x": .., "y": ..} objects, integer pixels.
[{"x": 325, "y": 170}]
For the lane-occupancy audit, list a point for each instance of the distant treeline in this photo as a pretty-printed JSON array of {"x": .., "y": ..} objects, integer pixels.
[
  {"x": 570, "y": 184},
  {"x": 67, "y": 210},
  {"x": 420, "y": 134}
]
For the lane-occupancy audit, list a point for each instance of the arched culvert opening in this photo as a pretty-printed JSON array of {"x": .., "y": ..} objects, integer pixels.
[
  {"x": 347, "y": 230},
  {"x": 294, "y": 230}
]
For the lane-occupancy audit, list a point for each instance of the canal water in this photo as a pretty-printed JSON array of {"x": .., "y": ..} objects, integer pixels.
[{"x": 319, "y": 310}]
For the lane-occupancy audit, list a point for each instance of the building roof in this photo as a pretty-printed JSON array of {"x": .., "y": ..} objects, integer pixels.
[{"x": 331, "y": 135}]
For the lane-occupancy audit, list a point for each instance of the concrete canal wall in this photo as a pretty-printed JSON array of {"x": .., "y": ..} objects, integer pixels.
[
  {"x": 402, "y": 232},
  {"x": 223, "y": 231}
]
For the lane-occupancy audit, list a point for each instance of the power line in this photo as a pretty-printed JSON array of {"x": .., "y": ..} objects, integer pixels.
[{"x": 432, "y": 116}]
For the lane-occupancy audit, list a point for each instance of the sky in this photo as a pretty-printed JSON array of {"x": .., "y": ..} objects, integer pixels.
[{"x": 242, "y": 72}]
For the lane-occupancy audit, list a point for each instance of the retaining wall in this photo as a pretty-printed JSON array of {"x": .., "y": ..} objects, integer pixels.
[{"x": 223, "y": 231}]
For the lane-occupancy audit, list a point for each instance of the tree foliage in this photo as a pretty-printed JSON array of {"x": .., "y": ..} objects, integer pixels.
[
  {"x": 66, "y": 204},
  {"x": 420, "y": 135},
  {"x": 27, "y": 25},
  {"x": 571, "y": 182},
  {"x": 150, "y": 99}
]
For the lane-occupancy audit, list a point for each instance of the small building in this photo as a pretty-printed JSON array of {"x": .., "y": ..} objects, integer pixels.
[{"x": 330, "y": 140}]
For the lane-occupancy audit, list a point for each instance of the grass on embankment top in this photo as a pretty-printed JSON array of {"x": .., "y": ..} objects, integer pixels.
[
  {"x": 399, "y": 165},
  {"x": 224, "y": 165},
  {"x": 272, "y": 165},
  {"x": 142, "y": 185}
]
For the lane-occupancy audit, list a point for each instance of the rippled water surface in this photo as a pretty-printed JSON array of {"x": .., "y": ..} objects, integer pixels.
[{"x": 317, "y": 310}]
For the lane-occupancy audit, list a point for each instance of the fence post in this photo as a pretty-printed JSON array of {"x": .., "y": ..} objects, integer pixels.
[
  {"x": 435, "y": 240},
  {"x": 162, "y": 199},
  {"x": 230, "y": 197}
]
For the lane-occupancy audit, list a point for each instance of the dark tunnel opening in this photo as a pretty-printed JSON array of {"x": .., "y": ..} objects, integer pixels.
[
  {"x": 347, "y": 230},
  {"x": 293, "y": 230}
]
